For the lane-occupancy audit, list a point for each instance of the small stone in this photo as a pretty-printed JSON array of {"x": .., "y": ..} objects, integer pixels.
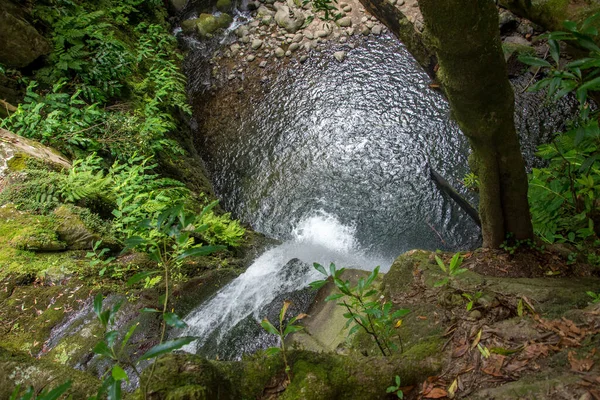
[
  {"x": 336, "y": 35},
  {"x": 263, "y": 64},
  {"x": 235, "y": 48},
  {"x": 400, "y": 3},
  {"x": 365, "y": 31},
  {"x": 256, "y": 44},
  {"x": 231, "y": 77},
  {"x": 347, "y": 9},
  {"x": 392, "y": 2},
  {"x": 279, "y": 52},
  {"x": 264, "y": 79},
  {"x": 303, "y": 59},
  {"x": 475, "y": 315},
  {"x": 322, "y": 33},
  {"x": 245, "y": 39},
  {"x": 350, "y": 32},
  {"x": 297, "y": 38},
  {"x": 377, "y": 29},
  {"x": 370, "y": 24},
  {"x": 340, "y": 55},
  {"x": 288, "y": 40},
  {"x": 345, "y": 22},
  {"x": 309, "y": 35},
  {"x": 288, "y": 53},
  {"x": 294, "y": 46},
  {"x": 343, "y": 39},
  {"x": 364, "y": 19},
  {"x": 415, "y": 4},
  {"x": 267, "y": 20},
  {"x": 351, "y": 45},
  {"x": 251, "y": 58}
]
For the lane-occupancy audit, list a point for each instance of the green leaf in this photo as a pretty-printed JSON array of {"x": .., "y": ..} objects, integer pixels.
[
  {"x": 271, "y": 351},
  {"x": 98, "y": 304},
  {"x": 173, "y": 320},
  {"x": 57, "y": 392},
  {"x": 441, "y": 264},
  {"x": 134, "y": 242},
  {"x": 167, "y": 347},
  {"x": 119, "y": 374},
  {"x": 593, "y": 84},
  {"x": 332, "y": 269},
  {"x": 441, "y": 283},
  {"x": 128, "y": 335},
  {"x": 101, "y": 348},
  {"x": 291, "y": 329},
  {"x": 114, "y": 390},
  {"x": 267, "y": 326},
  {"x": 320, "y": 268},
  {"x": 140, "y": 276},
  {"x": 200, "y": 251},
  {"x": 534, "y": 61},
  {"x": 334, "y": 297},
  {"x": 110, "y": 338},
  {"x": 317, "y": 284},
  {"x": 554, "y": 50}
]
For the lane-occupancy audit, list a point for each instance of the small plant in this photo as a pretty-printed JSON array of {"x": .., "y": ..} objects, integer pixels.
[
  {"x": 328, "y": 7},
  {"x": 472, "y": 299},
  {"x": 97, "y": 257},
  {"x": 30, "y": 393},
  {"x": 282, "y": 332},
  {"x": 471, "y": 182},
  {"x": 365, "y": 310},
  {"x": 396, "y": 388},
  {"x": 595, "y": 297},
  {"x": 452, "y": 270}
]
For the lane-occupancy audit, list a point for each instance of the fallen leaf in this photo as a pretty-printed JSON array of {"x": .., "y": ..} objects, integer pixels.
[
  {"x": 493, "y": 365},
  {"x": 436, "y": 393},
  {"x": 477, "y": 339},
  {"x": 422, "y": 317},
  {"x": 460, "y": 351},
  {"x": 580, "y": 365},
  {"x": 452, "y": 389}
]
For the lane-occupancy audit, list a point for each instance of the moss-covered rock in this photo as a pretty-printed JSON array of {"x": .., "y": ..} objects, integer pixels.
[
  {"x": 18, "y": 368},
  {"x": 224, "y": 20},
  {"x": 206, "y": 25},
  {"x": 189, "y": 25},
  {"x": 224, "y": 5}
]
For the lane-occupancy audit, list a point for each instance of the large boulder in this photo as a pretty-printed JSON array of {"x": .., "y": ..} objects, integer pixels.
[
  {"x": 289, "y": 19},
  {"x": 20, "y": 43}
]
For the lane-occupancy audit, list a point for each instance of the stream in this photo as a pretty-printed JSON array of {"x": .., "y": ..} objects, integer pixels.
[{"x": 333, "y": 162}]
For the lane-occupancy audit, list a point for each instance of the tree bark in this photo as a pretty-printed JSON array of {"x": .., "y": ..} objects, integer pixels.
[{"x": 472, "y": 70}]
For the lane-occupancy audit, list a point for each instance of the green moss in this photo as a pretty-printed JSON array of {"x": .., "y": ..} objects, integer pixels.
[
  {"x": 207, "y": 24},
  {"x": 224, "y": 5},
  {"x": 18, "y": 162}
]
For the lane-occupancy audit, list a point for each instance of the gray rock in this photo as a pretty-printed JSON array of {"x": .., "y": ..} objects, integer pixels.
[
  {"x": 340, "y": 55},
  {"x": 309, "y": 35},
  {"x": 290, "y": 20},
  {"x": 263, "y": 64},
  {"x": 189, "y": 25},
  {"x": 267, "y": 20},
  {"x": 343, "y": 39},
  {"x": 251, "y": 58},
  {"x": 245, "y": 39},
  {"x": 345, "y": 22},
  {"x": 365, "y": 30},
  {"x": 263, "y": 11},
  {"x": 224, "y": 5},
  {"x": 297, "y": 38},
  {"x": 370, "y": 24},
  {"x": 235, "y": 48},
  {"x": 322, "y": 33},
  {"x": 517, "y": 40},
  {"x": 256, "y": 44},
  {"x": 288, "y": 53},
  {"x": 400, "y": 3},
  {"x": 178, "y": 5},
  {"x": 347, "y": 9},
  {"x": 241, "y": 31},
  {"x": 303, "y": 59},
  {"x": 279, "y": 52},
  {"x": 364, "y": 19},
  {"x": 377, "y": 29},
  {"x": 294, "y": 47}
]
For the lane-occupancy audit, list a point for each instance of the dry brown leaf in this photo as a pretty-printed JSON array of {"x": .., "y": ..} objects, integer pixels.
[
  {"x": 580, "y": 365},
  {"x": 436, "y": 393},
  {"x": 460, "y": 351},
  {"x": 516, "y": 365},
  {"x": 494, "y": 364}
]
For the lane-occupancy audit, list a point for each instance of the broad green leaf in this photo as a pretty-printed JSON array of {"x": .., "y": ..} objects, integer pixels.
[
  {"x": 283, "y": 311},
  {"x": 200, "y": 251},
  {"x": 102, "y": 349},
  {"x": 291, "y": 329},
  {"x": 267, "y": 326},
  {"x": 334, "y": 297},
  {"x": 134, "y": 242},
  {"x": 110, "y": 338},
  {"x": 554, "y": 50},
  {"x": 534, "y": 61},
  {"x": 114, "y": 390},
  {"x": 332, "y": 269},
  {"x": 441, "y": 264},
  {"x": 140, "y": 276},
  {"x": 317, "y": 284},
  {"x": 441, "y": 283},
  {"x": 167, "y": 347},
  {"x": 320, "y": 268},
  {"x": 593, "y": 84},
  {"x": 57, "y": 392},
  {"x": 271, "y": 351},
  {"x": 98, "y": 304},
  {"x": 119, "y": 374},
  {"x": 173, "y": 320},
  {"x": 128, "y": 335}
]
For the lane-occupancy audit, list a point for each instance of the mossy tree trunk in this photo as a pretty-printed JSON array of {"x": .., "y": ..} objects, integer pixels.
[{"x": 472, "y": 70}]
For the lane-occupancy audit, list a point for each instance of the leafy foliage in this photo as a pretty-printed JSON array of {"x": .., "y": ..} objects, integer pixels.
[
  {"x": 452, "y": 270},
  {"x": 396, "y": 388},
  {"x": 565, "y": 195},
  {"x": 30, "y": 393},
  {"x": 282, "y": 332},
  {"x": 364, "y": 308}
]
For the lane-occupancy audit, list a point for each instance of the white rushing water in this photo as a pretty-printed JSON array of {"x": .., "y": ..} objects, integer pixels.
[{"x": 319, "y": 237}]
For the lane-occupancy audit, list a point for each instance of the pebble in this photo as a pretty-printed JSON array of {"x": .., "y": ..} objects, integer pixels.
[
  {"x": 231, "y": 77},
  {"x": 235, "y": 48},
  {"x": 303, "y": 59},
  {"x": 392, "y": 2},
  {"x": 297, "y": 38},
  {"x": 340, "y": 55},
  {"x": 343, "y": 39},
  {"x": 347, "y": 8},
  {"x": 400, "y": 3},
  {"x": 377, "y": 29},
  {"x": 322, "y": 33},
  {"x": 279, "y": 52},
  {"x": 264, "y": 79},
  {"x": 251, "y": 58},
  {"x": 364, "y": 19},
  {"x": 415, "y": 4},
  {"x": 370, "y": 24},
  {"x": 267, "y": 20},
  {"x": 288, "y": 53},
  {"x": 345, "y": 22},
  {"x": 263, "y": 64},
  {"x": 365, "y": 30},
  {"x": 294, "y": 46},
  {"x": 309, "y": 35},
  {"x": 257, "y": 44}
]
